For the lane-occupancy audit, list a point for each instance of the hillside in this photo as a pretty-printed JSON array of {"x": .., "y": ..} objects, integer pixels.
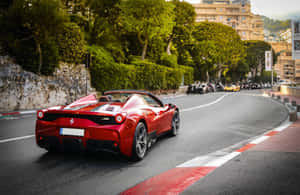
[{"x": 276, "y": 25}]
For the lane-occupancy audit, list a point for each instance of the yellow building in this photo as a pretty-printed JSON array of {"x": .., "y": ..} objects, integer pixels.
[
  {"x": 286, "y": 68},
  {"x": 234, "y": 13}
]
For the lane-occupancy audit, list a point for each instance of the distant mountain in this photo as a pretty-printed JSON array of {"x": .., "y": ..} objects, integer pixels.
[
  {"x": 293, "y": 16},
  {"x": 276, "y": 25}
]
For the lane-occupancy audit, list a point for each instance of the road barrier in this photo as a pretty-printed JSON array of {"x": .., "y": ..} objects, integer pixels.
[
  {"x": 292, "y": 108},
  {"x": 279, "y": 97},
  {"x": 286, "y": 100}
]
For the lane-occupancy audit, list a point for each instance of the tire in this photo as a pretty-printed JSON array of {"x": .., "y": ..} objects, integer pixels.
[
  {"x": 175, "y": 124},
  {"x": 140, "y": 142}
]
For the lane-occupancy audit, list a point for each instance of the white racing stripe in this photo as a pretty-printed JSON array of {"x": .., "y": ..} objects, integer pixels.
[
  {"x": 16, "y": 139},
  {"x": 205, "y": 105}
]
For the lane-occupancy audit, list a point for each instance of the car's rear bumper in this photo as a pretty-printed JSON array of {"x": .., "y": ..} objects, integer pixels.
[
  {"x": 95, "y": 138},
  {"x": 76, "y": 144}
]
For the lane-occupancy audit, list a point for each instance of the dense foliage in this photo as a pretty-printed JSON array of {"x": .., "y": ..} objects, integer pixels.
[
  {"x": 255, "y": 56},
  {"x": 71, "y": 43},
  {"x": 139, "y": 44},
  {"x": 140, "y": 74},
  {"x": 216, "y": 47}
]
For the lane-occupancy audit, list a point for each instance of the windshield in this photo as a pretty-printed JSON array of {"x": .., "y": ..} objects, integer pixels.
[{"x": 118, "y": 97}]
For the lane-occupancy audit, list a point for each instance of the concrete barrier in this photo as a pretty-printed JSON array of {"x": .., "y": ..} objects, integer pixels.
[
  {"x": 293, "y": 116},
  {"x": 286, "y": 100}
]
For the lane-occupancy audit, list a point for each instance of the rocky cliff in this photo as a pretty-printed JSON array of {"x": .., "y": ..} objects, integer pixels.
[{"x": 22, "y": 90}]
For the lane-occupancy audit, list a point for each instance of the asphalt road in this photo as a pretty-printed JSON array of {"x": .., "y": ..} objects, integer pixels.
[{"x": 209, "y": 123}]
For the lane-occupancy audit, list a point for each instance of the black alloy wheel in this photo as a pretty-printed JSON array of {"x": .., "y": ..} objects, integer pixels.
[
  {"x": 140, "y": 143},
  {"x": 175, "y": 124}
]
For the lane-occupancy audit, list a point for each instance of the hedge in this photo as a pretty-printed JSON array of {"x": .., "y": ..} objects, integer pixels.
[
  {"x": 168, "y": 60},
  {"x": 107, "y": 75},
  {"x": 188, "y": 74}
]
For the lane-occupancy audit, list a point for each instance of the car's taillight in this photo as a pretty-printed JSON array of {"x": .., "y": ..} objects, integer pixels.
[
  {"x": 40, "y": 114},
  {"x": 119, "y": 118}
]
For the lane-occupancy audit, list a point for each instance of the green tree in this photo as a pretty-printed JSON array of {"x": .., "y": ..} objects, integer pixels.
[
  {"x": 255, "y": 55},
  {"x": 184, "y": 19},
  {"x": 217, "y": 46},
  {"x": 32, "y": 24},
  {"x": 43, "y": 17},
  {"x": 37, "y": 20},
  {"x": 147, "y": 18},
  {"x": 106, "y": 29}
]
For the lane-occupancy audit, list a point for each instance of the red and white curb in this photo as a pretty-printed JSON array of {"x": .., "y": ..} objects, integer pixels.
[
  {"x": 18, "y": 113},
  {"x": 176, "y": 180}
]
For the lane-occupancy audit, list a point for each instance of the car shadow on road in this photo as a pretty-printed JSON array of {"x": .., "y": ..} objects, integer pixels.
[{"x": 98, "y": 158}]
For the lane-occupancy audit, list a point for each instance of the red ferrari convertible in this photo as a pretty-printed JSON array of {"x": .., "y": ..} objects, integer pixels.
[{"x": 121, "y": 121}]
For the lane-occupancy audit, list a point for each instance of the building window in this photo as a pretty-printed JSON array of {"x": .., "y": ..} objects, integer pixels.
[
  {"x": 221, "y": 17},
  {"x": 243, "y": 33},
  {"x": 243, "y": 10},
  {"x": 243, "y": 18}
]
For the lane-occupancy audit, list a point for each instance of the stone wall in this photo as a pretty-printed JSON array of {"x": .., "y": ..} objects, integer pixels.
[{"x": 22, "y": 90}]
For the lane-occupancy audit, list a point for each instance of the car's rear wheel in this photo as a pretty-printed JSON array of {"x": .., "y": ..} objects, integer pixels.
[
  {"x": 140, "y": 143},
  {"x": 175, "y": 124}
]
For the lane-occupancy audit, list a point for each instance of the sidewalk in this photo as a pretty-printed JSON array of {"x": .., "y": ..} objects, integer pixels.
[{"x": 271, "y": 167}]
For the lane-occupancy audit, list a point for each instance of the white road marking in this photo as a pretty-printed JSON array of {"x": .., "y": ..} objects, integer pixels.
[
  {"x": 259, "y": 140},
  {"x": 222, "y": 160},
  {"x": 204, "y": 105},
  {"x": 16, "y": 138},
  {"x": 283, "y": 126}
]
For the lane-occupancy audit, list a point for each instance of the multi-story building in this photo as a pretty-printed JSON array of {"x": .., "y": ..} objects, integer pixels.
[
  {"x": 234, "y": 13},
  {"x": 286, "y": 68}
]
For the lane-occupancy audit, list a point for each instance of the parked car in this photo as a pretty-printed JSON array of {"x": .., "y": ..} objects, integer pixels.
[
  {"x": 245, "y": 86},
  {"x": 219, "y": 86},
  {"x": 211, "y": 87},
  {"x": 254, "y": 86},
  {"x": 197, "y": 88},
  {"x": 121, "y": 121},
  {"x": 232, "y": 88}
]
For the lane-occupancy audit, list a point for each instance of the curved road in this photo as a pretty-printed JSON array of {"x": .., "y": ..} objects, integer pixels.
[{"x": 209, "y": 123}]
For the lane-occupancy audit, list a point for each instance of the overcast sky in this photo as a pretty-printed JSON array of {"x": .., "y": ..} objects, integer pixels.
[{"x": 272, "y": 8}]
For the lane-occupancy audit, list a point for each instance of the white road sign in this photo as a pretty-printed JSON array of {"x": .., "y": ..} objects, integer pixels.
[{"x": 268, "y": 63}]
